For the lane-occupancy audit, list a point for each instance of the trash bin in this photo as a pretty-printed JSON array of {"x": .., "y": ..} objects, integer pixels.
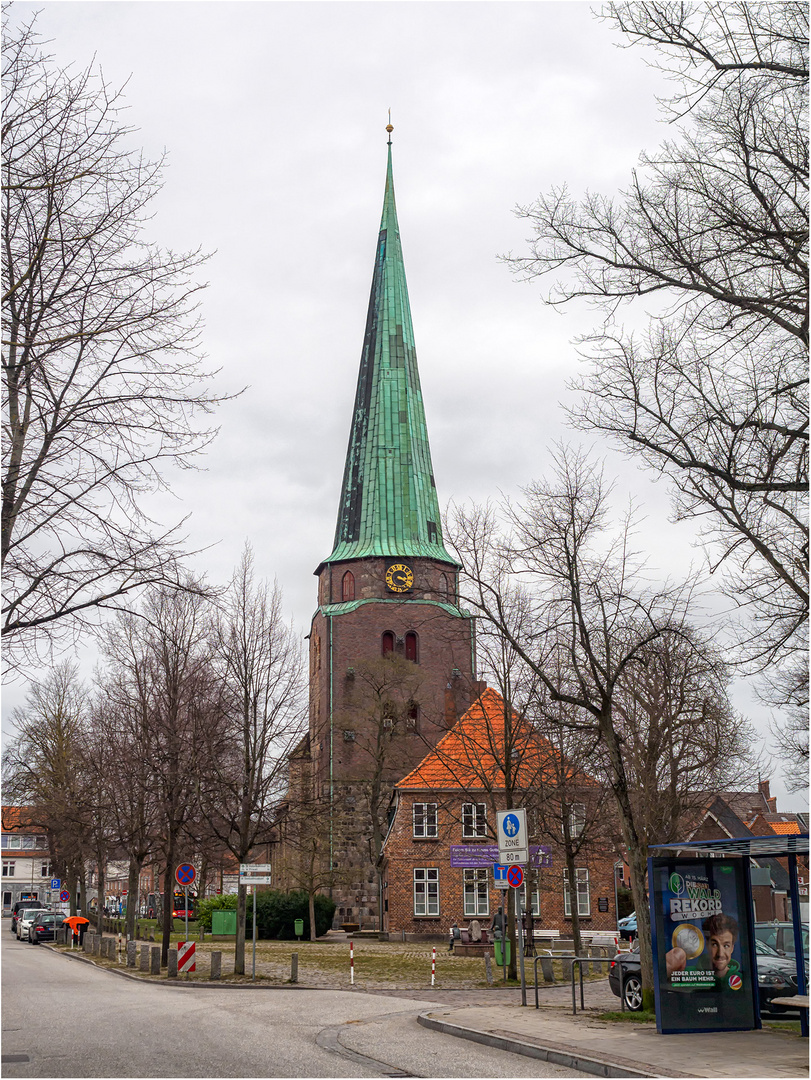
[
  {"x": 497, "y": 950},
  {"x": 298, "y": 927},
  {"x": 224, "y": 923}
]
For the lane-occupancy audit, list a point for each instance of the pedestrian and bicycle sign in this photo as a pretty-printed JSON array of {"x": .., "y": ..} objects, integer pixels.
[
  {"x": 185, "y": 874},
  {"x": 515, "y": 877},
  {"x": 513, "y": 839}
]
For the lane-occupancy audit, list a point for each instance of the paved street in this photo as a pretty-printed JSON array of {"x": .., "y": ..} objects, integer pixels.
[{"x": 62, "y": 1017}]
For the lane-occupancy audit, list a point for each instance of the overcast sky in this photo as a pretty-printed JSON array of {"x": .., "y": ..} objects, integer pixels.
[{"x": 274, "y": 115}]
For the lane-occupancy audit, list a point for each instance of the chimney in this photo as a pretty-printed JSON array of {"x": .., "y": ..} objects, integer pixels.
[
  {"x": 772, "y": 803},
  {"x": 763, "y": 788}
]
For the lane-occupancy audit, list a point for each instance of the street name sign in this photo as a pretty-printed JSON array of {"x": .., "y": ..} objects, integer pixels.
[
  {"x": 513, "y": 839},
  {"x": 255, "y": 874}
]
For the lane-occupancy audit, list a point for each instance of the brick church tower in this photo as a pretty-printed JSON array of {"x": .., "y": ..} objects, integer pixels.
[{"x": 391, "y": 654}]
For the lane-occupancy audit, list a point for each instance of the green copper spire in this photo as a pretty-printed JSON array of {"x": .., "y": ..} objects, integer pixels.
[{"x": 388, "y": 500}]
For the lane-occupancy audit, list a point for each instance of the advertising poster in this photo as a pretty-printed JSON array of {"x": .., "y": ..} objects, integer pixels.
[{"x": 702, "y": 948}]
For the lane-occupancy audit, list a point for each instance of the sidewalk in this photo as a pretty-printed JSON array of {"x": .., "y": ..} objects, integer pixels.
[{"x": 606, "y": 1049}]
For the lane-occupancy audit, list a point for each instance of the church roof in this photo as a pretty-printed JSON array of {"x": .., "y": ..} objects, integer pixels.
[
  {"x": 388, "y": 504},
  {"x": 472, "y": 754}
]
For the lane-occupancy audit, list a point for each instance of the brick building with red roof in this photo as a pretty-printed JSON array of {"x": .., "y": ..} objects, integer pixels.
[{"x": 449, "y": 801}]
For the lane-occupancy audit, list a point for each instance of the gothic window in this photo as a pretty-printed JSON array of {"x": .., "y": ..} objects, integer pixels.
[
  {"x": 348, "y": 586},
  {"x": 444, "y": 592},
  {"x": 411, "y": 647},
  {"x": 413, "y": 716},
  {"x": 387, "y": 643}
]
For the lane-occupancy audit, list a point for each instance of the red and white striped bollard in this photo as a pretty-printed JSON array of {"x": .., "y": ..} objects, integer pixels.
[
  {"x": 352, "y": 963},
  {"x": 433, "y": 965}
]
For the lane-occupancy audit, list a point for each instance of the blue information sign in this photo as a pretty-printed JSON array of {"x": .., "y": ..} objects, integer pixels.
[{"x": 56, "y": 883}]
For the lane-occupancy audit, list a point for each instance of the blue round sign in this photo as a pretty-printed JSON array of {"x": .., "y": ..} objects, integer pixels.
[{"x": 511, "y": 825}]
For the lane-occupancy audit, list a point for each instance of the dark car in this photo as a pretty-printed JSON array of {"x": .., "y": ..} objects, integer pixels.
[
  {"x": 21, "y": 905},
  {"x": 777, "y": 977},
  {"x": 631, "y": 977},
  {"x": 44, "y": 927},
  {"x": 780, "y": 937}
]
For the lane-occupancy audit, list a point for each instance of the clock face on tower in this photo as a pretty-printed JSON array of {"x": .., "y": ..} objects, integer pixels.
[{"x": 399, "y": 577}]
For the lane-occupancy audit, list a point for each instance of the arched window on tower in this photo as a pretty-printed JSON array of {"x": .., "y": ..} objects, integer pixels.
[
  {"x": 387, "y": 643},
  {"x": 411, "y": 652},
  {"x": 348, "y": 586},
  {"x": 443, "y": 588}
]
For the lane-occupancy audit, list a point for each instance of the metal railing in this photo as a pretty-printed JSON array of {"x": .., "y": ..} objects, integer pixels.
[{"x": 580, "y": 961}]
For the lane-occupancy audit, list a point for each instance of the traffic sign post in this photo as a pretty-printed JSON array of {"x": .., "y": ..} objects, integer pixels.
[
  {"x": 185, "y": 875},
  {"x": 513, "y": 839},
  {"x": 252, "y": 874},
  {"x": 500, "y": 876}
]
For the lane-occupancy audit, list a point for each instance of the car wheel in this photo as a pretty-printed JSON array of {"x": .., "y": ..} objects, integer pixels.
[{"x": 632, "y": 993}]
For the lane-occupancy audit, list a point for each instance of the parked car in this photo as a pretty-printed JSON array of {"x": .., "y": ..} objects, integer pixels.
[
  {"x": 24, "y": 920},
  {"x": 780, "y": 937},
  {"x": 44, "y": 926},
  {"x": 21, "y": 905},
  {"x": 776, "y": 976},
  {"x": 627, "y": 927},
  {"x": 631, "y": 976}
]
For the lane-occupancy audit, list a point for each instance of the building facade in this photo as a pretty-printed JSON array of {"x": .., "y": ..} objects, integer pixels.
[{"x": 26, "y": 860}]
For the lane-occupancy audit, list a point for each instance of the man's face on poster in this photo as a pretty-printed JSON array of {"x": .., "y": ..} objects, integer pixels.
[{"x": 721, "y": 946}]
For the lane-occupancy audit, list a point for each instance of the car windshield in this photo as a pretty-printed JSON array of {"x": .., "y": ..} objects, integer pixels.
[{"x": 766, "y": 950}]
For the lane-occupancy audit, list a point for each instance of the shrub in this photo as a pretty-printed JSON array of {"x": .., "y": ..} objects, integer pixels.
[
  {"x": 205, "y": 907},
  {"x": 277, "y": 911}
]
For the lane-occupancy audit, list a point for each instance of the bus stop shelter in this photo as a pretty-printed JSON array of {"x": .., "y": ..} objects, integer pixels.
[{"x": 752, "y": 847}]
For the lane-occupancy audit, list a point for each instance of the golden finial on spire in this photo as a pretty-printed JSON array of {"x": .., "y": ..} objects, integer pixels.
[{"x": 389, "y": 127}]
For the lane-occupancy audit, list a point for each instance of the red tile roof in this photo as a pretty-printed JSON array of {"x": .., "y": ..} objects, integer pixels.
[
  {"x": 16, "y": 819},
  {"x": 784, "y": 828},
  {"x": 471, "y": 755}
]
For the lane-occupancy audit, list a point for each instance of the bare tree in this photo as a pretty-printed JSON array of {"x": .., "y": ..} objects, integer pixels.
[
  {"x": 713, "y": 228},
  {"x": 591, "y": 620},
  {"x": 44, "y": 769},
  {"x": 260, "y": 673},
  {"x": 103, "y": 380}
]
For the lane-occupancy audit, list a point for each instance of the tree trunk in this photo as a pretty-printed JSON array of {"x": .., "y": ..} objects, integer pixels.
[
  {"x": 168, "y": 922},
  {"x": 574, "y": 905},
  {"x": 312, "y": 916},
  {"x": 133, "y": 880},
  {"x": 512, "y": 970},
  {"x": 239, "y": 944}
]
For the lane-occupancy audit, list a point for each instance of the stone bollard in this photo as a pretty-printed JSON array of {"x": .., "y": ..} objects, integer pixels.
[
  {"x": 132, "y": 952},
  {"x": 95, "y": 944},
  {"x": 567, "y": 970},
  {"x": 488, "y": 971},
  {"x": 61, "y": 936},
  {"x": 172, "y": 964},
  {"x": 144, "y": 958},
  {"x": 216, "y": 965},
  {"x": 294, "y": 968},
  {"x": 547, "y": 969},
  {"x": 112, "y": 948},
  {"x": 155, "y": 965},
  {"x": 86, "y": 941}
]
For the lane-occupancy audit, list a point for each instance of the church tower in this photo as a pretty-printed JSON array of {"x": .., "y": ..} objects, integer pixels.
[{"x": 391, "y": 653}]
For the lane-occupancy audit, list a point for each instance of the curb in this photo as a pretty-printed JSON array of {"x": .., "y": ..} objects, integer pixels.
[{"x": 552, "y": 1053}]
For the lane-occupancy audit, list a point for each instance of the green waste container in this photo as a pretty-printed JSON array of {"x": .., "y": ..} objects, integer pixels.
[
  {"x": 224, "y": 923},
  {"x": 298, "y": 927},
  {"x": 497, "y": 950}
]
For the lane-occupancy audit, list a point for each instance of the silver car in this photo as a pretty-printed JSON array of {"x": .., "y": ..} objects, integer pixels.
[{"x": 24, "y": 920}]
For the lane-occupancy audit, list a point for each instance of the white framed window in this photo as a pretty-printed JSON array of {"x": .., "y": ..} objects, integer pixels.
[
  {"x": 474, "y": 819},
  {"x": 424, "y": 820},
  {"x": 535, "y": 900},
  {"x": 8, "y": 868},
  {"x": 577, "y": 819},
  {"x": 477, "y": 892},
  {"x": 426, "y": 891},
  {"x": 14, "y": 842},
  {"x": 583, "y": 895},
  {"x": 45, "y": 869}
]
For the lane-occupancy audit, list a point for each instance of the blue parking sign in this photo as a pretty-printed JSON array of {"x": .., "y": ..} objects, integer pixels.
[{"x": 56, "y": 883}]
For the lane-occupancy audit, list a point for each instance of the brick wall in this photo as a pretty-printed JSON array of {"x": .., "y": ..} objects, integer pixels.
[{"x": 404, "y": 853}]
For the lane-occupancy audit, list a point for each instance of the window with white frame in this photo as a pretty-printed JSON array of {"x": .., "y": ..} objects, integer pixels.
[
  {"x": 426, "y": 891},
  {"x": 535, "y": 900},
  {"x": 477, "y": 892},
  {"x": 14, "y": 842},
  {"x": 474, "y": 819},
  {"x": 8, "y": 868},
  {"x": 576, "y": 813},
  {"x": 424, "y": 819},
  {"x": 582, "y": 888},
  {"x": 45, "y": 869}
]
